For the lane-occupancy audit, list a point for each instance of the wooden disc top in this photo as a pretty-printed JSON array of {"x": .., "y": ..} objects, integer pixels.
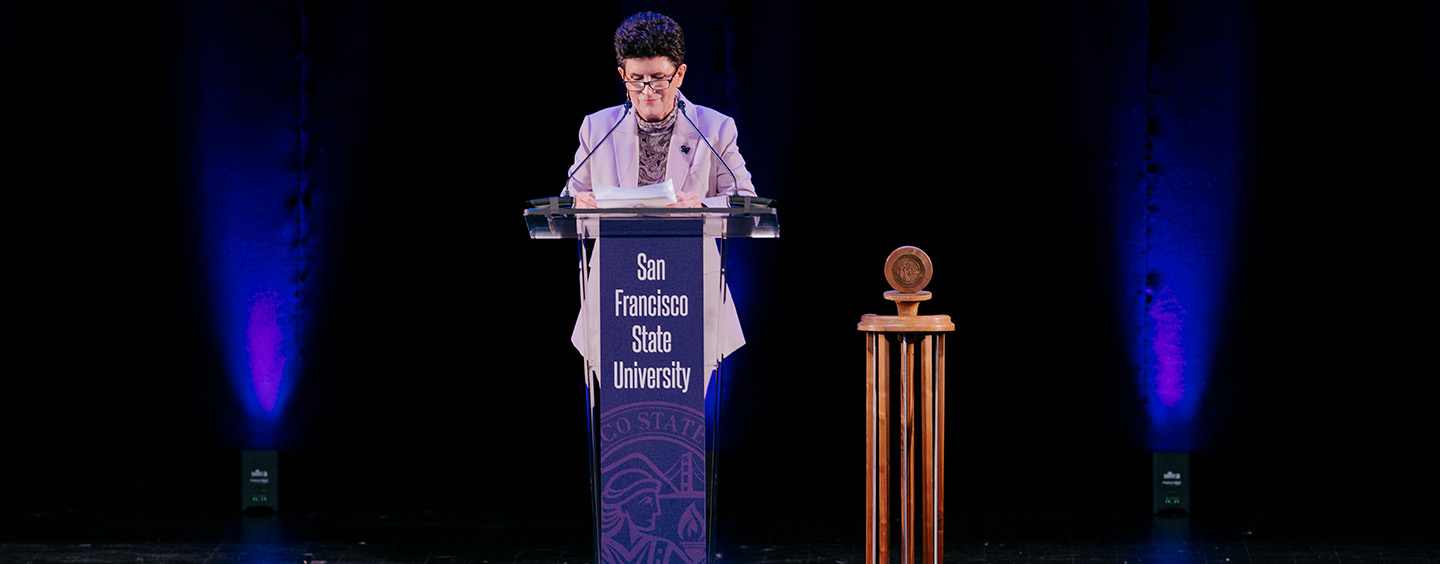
[{"x": 908, "y": 269}]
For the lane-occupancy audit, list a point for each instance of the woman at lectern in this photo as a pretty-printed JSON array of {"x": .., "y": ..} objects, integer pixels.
[
  {"x": 655, "y": 136},
  {"x": 658, "y": 135}
]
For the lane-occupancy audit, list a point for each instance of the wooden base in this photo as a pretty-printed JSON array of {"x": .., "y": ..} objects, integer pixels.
[{"x": 906, "y": 331}]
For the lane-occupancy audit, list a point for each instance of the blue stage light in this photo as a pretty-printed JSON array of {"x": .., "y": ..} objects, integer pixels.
[
  {"x": 247, "y": 164},
  {"x": 257, "y": 309},
  {"x": 253, "y": 224}
]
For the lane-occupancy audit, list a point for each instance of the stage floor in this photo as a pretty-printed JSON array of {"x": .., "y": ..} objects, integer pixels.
[{"x": 44, "y": 537}]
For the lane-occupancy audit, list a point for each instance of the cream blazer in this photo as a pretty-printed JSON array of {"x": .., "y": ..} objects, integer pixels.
[
  {"x": 692, "y": 168},
  {"x": 690, "y": 165}
]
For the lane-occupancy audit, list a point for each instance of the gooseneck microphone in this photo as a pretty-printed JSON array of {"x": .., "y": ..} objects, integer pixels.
[
  {"x": 566, "y": 191},
  {"x": 731, "y": 192}
]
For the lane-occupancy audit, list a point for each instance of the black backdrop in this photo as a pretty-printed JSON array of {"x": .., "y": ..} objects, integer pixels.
[{"x": 438, "y": 374}]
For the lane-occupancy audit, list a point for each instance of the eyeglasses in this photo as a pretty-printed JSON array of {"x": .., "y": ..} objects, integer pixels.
[{"x": 656, "y": 85}]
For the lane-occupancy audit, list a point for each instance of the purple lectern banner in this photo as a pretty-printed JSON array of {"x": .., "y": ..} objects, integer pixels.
[{"x": 652, "y": 400}]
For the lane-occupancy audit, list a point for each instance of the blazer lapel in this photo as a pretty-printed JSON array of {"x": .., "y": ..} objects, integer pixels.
[
  {"x": 627, "y": 152},
  {"x": 683, "y": 140}
]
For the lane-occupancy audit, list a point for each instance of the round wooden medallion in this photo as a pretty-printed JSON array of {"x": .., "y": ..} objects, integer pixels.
[{"x": 908, "y": 269}]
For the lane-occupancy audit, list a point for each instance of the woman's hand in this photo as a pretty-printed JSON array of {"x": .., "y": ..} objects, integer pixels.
[
  {"x": 686, "y": 200},
  {"x": 585, "y": 200}
]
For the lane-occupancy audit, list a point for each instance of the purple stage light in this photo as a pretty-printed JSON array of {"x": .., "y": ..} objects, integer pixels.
[
  {"x": 1177, "y": 360},
  {"x": 265, "y": 344},
  {"x": 1169, "y": 322}
]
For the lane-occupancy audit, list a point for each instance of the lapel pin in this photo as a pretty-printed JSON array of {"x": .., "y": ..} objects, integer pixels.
[{"x": 685, "y": 149}]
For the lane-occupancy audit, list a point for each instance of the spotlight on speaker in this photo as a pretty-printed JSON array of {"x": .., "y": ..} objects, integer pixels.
[
  {"x": 1171, "y": 483},
  {"x": 259, "y": 481}
]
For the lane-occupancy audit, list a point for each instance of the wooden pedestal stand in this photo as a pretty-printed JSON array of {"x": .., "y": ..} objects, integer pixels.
[{"x": 908, "y": 270}]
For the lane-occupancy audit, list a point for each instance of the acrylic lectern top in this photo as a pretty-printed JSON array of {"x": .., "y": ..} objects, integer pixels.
[{"x": 747, "y": 216}]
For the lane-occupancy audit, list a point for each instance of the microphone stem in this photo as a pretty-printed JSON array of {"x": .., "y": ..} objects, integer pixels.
[{"x": 566, "y": 191}]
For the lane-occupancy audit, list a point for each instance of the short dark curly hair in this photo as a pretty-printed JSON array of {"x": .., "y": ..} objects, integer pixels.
[{"x": 648, "y": 34}]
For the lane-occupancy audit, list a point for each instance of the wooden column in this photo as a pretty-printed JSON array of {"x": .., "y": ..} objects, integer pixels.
[
  {"x": 932, "y": 450},
  {"x": 877, "y": 449}
]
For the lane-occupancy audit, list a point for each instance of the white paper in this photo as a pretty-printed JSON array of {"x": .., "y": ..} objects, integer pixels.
[{"x": 651, "y": 196}]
